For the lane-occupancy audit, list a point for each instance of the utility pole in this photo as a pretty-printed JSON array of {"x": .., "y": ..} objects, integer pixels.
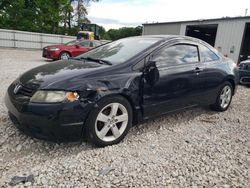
[{"x": 246, "y": 11}]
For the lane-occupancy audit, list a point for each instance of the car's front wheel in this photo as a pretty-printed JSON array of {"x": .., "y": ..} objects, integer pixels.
[
  {"x": 224, "y": 98},
  {"x": 109, "y": 122}
]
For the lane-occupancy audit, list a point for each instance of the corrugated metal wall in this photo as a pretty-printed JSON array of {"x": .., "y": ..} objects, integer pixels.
[
  {"x": 229, "y": 36},
  {"x": 22, "y": 39}
]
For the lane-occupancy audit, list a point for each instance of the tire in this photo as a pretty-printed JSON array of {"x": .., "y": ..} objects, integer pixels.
[
  {"x": 224, "y": 98},
  {"x": 104, "y": 126},
  {"x": 64, "y": 55}
]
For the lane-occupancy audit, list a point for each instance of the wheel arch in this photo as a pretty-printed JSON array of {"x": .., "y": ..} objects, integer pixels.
[
  {"x": 135, "y": 111},
  {"x": 135, "y": 117},
  {"x": 232, "y": 82},
  {"x": 66, "y": 52},
  {"x": 88, "y": 131}
]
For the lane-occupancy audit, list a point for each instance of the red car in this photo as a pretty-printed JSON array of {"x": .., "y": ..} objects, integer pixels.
[{"x": 70, "y": 49}]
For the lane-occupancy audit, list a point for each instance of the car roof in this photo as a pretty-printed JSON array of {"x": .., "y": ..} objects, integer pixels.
[
  {"x": 169, "y": 37},
  {"x": 81, "y": 40},
  {"x": 163, "y": 37}
]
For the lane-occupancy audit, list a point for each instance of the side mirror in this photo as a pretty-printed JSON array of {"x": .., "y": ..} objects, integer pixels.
[
  {"x": 151, "y": 73},
  {"x": 77, "y": 46}
]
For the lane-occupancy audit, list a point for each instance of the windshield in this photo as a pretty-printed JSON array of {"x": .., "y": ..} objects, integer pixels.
[
  {"x": 121, "y": 50},
  {"x": 70, "y": 43}
]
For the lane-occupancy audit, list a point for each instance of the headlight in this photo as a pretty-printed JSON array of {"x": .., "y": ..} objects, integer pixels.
[
  {"x": 53, "y": 96},
  {"x": 53, "y": 49}
]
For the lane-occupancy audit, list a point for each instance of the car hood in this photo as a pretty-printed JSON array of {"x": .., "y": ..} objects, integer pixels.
[
  {"x": 55, "y": 46},
  {"x": 245, "y": 62},
  {"x": 61, "y": 74},
  {"x": 60, "y": 46}
]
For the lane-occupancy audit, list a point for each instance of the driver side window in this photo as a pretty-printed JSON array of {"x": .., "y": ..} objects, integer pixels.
[{"x": 179, "y": 54}]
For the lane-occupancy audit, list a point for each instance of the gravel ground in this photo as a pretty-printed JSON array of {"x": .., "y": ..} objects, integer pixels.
[{"x": 196, "y": 148}]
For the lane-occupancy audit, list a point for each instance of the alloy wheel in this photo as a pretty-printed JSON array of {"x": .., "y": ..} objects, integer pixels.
[
  {"x": 225, "y": 96},
  {"x": 111, "y": 122},
  {"x": 64, "y": 56}
]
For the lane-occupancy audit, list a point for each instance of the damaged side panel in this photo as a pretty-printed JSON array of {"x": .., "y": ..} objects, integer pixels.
[
  {"x": 92, "y": 88},
  {"x": 127, "y": 85}
]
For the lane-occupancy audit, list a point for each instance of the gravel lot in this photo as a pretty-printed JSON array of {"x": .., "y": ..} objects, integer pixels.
[{"x": 196, "y": 148}]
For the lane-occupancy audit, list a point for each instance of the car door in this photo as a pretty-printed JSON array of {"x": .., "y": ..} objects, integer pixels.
[{"x": 176, "y": 82}]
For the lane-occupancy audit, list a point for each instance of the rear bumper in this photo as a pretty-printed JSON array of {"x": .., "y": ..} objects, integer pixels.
[{"x": 53, "y": 122}]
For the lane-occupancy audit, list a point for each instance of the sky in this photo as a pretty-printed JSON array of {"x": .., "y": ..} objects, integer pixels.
[{"x": 131, "y": 13}]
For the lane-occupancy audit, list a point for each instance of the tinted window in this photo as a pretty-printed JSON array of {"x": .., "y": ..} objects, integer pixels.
[
  {"x": 84, "y": 43},
  {"x": 121, "y": 50},
  {"x": 207, "y": 55},
  {"x": 177, "y": 55}
]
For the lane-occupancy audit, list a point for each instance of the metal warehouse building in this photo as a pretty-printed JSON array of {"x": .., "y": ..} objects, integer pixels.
[{"x": 231, "y": 36}]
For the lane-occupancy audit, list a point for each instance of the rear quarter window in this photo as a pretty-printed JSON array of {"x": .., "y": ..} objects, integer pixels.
[{"x": 207, "y": 55}]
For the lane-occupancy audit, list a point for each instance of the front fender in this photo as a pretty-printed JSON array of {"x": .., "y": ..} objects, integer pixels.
[
  {"x": 127, "y": 86},
  {"x": 124, "y": 84}
]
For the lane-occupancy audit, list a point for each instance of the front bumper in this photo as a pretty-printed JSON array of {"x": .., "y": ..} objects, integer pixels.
[
  {"x": 244, "y": 77},
  {"x": 51, "y": 54},
  {"x": 54, "y": 122}
]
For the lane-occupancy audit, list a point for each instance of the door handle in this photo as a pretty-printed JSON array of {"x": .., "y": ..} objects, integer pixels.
[{"x": 198, "y": 70}]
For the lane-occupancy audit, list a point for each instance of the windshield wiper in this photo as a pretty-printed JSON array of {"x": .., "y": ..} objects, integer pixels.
[{"x": 100, "y": 61}]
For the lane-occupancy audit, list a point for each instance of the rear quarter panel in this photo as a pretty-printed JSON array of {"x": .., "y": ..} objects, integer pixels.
[{"x": 218, "y": 73}]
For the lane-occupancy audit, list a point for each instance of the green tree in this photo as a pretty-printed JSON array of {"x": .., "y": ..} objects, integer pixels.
[
  {"x": 67, "y": 16},
  {"x": 13, "y": 14},
  {"x": 49, "y": 16},
  {"x": 81, "y": 11},
  {"x": 102, "y": 31},
  {"x": 115, "y": 34}
]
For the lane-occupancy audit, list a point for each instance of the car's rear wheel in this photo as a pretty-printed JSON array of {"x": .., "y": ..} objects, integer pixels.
[
  {"x": 224, "y": 98},
  {"x": 64, "y": 55},
  {"x": 109, "y": 123}
]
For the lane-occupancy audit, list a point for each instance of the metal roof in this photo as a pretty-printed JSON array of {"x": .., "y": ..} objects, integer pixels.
[{"x": 202, "y": 20}]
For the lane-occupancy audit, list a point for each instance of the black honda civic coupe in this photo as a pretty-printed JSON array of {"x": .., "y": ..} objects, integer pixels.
[{"x": 99, "y": 95}]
